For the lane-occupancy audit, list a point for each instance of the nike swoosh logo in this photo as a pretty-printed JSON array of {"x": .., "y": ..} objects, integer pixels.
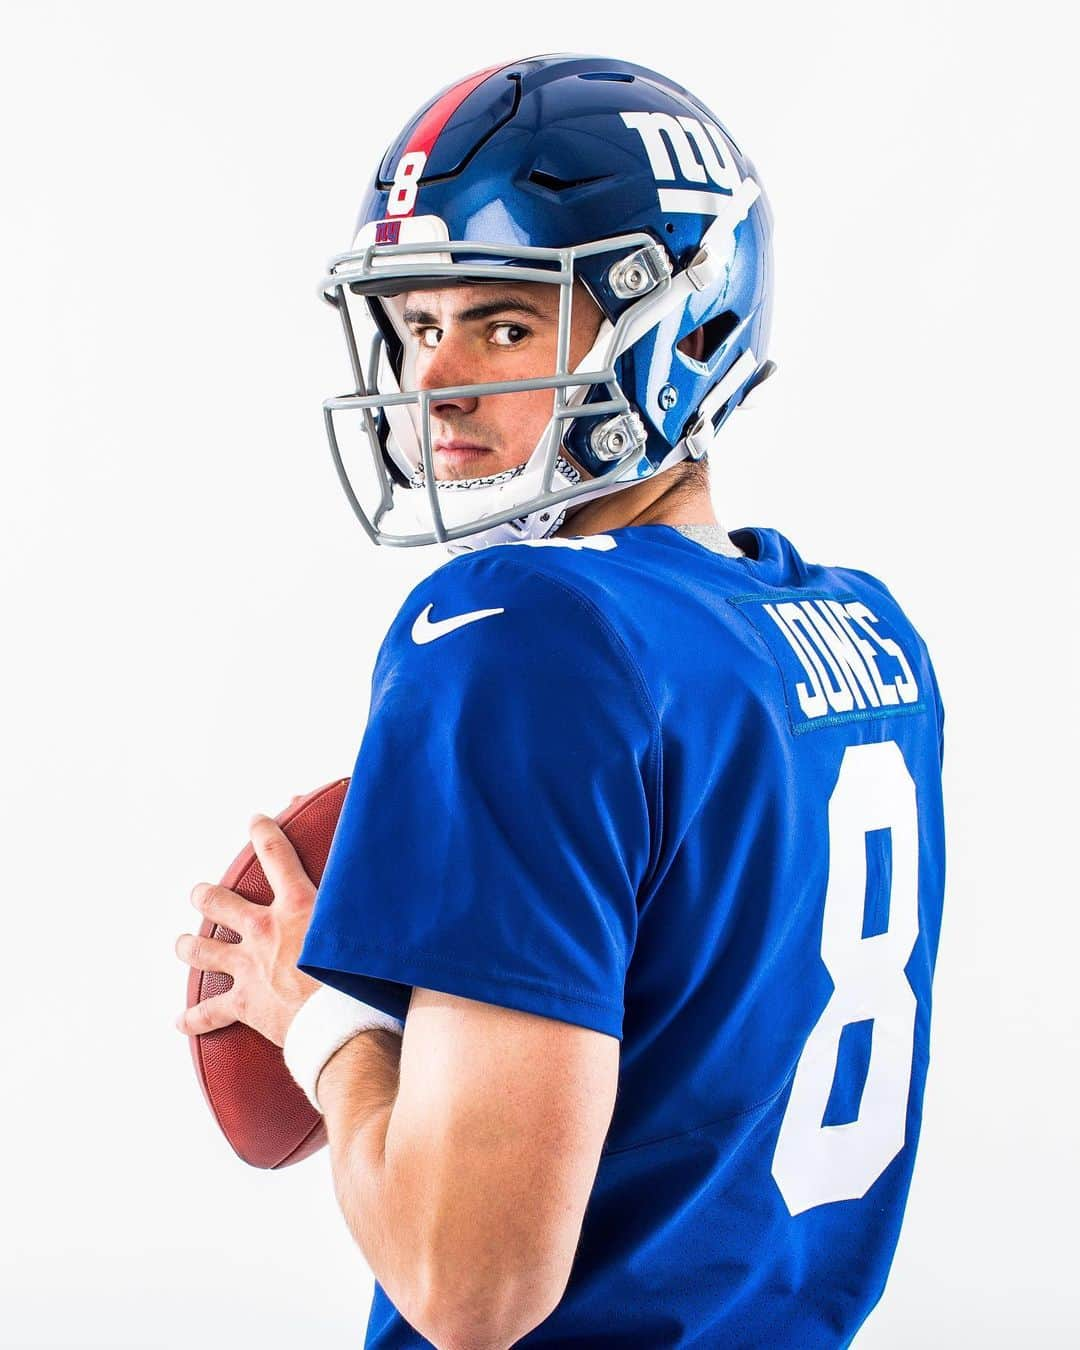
[{"x": 423, "y": 630}]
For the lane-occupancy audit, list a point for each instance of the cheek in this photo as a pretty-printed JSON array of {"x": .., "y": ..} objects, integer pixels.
[
  {"x": 515, "y": 422},
  {"x": 524, "y": 415}
]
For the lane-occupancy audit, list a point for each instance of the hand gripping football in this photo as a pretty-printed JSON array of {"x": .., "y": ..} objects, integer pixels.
[{"x": 262, "y": 1111}]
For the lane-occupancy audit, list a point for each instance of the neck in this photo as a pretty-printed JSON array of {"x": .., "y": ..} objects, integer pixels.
[{"x": 674, "y": 497}]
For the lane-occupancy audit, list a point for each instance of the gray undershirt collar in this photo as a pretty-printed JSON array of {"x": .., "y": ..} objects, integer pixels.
[{"x": 713, "y": 537}]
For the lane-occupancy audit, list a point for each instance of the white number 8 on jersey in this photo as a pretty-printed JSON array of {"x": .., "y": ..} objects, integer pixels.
[{"x": 815, "y": 1164}]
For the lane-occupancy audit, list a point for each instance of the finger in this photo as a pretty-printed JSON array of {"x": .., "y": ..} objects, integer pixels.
[
  {"x": 283, "y": 868},
  {"x": 208, "y": 1015},
  {"x": 206, "y": 953},
  {"x": 226, "y": 908}
]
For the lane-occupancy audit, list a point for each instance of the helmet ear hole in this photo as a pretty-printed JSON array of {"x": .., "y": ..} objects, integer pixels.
[
  {"x": 693, "y": 344},
  {"x": 705, "y": 341}
]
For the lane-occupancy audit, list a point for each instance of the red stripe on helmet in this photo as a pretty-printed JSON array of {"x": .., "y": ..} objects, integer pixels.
[{"x": 431, "y": 124}]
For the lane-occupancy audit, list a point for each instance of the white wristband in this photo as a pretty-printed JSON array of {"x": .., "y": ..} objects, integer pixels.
[{"x": 324, "y": 1023}]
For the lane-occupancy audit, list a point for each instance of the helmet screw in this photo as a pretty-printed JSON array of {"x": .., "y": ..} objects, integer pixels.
[
  {"x": 668, "y": 397},
  {"x": 639, "y": 272}
]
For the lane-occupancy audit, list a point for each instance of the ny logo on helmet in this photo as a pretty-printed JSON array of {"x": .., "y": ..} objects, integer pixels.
[{"x": 684, "y": 148}]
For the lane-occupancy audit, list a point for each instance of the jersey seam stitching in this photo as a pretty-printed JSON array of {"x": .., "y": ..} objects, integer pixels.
[{"x": 708, "y": 1124}]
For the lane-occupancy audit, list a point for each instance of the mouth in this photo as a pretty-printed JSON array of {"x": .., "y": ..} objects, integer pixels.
[{"x": 454, "y": 450}]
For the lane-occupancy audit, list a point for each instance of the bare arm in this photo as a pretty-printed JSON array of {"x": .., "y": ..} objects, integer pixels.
[{"x": 463, "y": 1159}]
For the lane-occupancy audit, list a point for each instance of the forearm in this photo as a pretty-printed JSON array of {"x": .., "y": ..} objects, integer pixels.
[{"x": 357, "y": 1089}]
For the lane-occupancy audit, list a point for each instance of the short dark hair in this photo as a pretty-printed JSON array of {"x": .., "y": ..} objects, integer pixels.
[{"x": 695, "y": 473}]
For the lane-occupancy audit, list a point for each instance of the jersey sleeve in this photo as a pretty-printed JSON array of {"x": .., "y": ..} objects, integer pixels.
[{"x": 502, "y": 817}]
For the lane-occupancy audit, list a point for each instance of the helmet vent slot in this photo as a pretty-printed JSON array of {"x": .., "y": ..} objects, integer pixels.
[{"x": 556, "y": 184}]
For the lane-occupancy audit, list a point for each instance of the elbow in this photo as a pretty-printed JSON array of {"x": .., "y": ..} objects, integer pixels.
[
  {"x": 473, "y": 1334},
  {"x": 495, "y": 1318}
]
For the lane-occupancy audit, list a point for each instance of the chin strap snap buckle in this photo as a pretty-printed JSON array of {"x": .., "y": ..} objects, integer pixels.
[{"x": 699, "y": 438}]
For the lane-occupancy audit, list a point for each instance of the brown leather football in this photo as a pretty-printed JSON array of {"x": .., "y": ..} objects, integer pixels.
[{"x": 261, "y": 1110}]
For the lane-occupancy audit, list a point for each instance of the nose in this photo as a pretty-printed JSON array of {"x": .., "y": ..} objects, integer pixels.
[{"x": 442, "y": 368}]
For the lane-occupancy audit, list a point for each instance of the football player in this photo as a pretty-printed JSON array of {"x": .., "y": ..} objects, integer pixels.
[{"x": 622, "y": 956}]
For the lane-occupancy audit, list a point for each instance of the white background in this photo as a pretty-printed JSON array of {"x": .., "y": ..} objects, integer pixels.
[{"x": 190, "y": 613}]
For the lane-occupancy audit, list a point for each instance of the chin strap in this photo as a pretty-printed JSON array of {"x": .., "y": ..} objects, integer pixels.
[
  {"x": 466, "y": 484},
  {"x": 538, "y": 524},
  {"x": 533, "y": 526}
]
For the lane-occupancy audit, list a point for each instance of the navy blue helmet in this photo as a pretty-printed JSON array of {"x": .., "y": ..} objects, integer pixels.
[{"x": 556, "y": 169}]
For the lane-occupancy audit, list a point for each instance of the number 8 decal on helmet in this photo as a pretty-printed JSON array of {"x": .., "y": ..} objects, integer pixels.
[{"x": 402, "y": 197}]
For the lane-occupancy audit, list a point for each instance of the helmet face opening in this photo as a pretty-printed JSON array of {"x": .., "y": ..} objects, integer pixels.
[
  {"x": 387, "y": 423},
  {"x": 634, "y": 404}
]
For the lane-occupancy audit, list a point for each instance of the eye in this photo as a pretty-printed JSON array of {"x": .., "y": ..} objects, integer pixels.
[
  {"x": 508, "y": 334},
  {"x": 428, "y": 337}
]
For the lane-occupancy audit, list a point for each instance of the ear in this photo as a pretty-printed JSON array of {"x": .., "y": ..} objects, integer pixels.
[{"x": 693, "y": 344}]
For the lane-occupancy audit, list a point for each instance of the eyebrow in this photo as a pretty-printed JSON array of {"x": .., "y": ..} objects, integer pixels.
[{"x": 500, "y": 305}]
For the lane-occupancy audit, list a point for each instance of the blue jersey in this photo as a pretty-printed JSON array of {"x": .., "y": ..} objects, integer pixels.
[{"x": 693, "y": 802}]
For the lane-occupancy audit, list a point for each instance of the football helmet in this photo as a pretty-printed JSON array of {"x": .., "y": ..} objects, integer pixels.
[{"x": 553, "y": 169}]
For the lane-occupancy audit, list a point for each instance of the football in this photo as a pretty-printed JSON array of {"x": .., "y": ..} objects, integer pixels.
[{"x": 260, "y": 1109}]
